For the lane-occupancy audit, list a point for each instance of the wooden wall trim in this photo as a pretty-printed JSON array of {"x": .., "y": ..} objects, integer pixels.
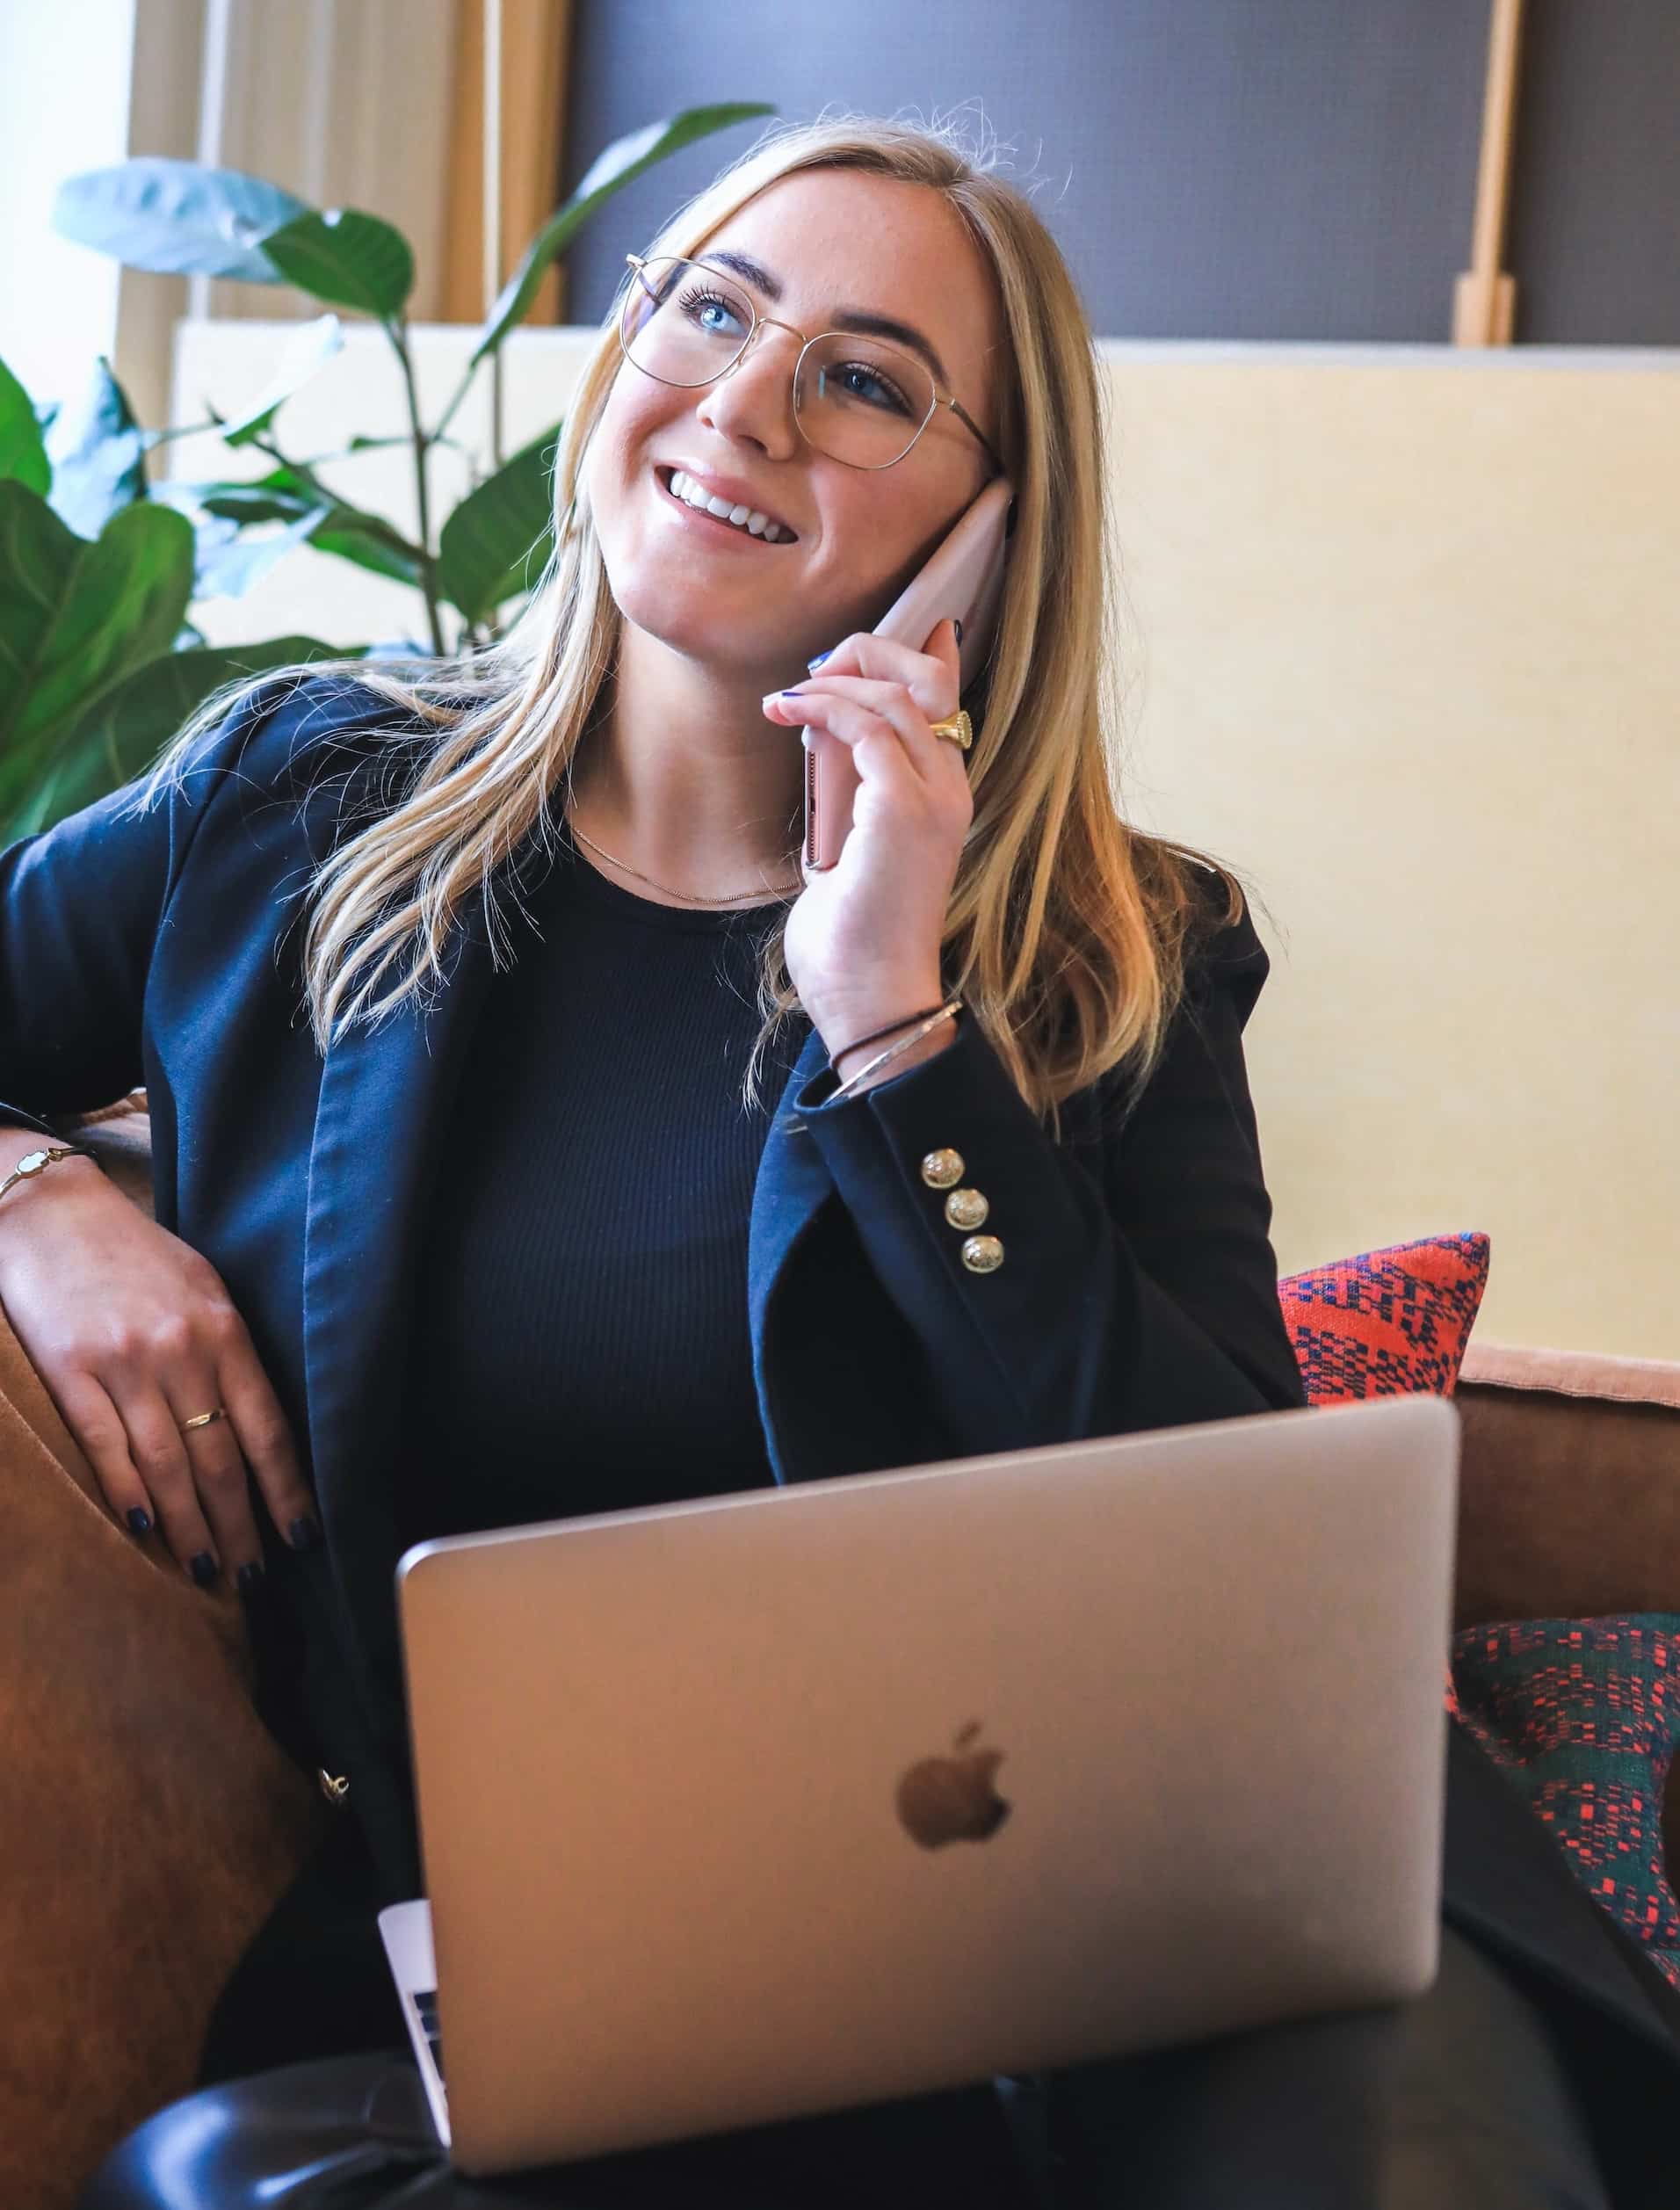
[
  {"x": 536, "y": 57},
  {"x": 1484, "y": 300}
]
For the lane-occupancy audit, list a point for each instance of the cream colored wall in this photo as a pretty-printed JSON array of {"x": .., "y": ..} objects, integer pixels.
[
  {"x": 1411, "y": 657},
  {"x": 1404, "y": 649}
]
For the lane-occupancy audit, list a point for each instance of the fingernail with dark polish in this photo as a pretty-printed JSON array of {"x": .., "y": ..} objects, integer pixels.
[
  {"x": 249, "y": 1576},
  {"x": 957, "y": 626},
  {"x": 304, "y": 1533},
  {"x": 140, "y": 1523},
  {"x": 811, "y": 666},
  {"x": 203, "y": 1568}
]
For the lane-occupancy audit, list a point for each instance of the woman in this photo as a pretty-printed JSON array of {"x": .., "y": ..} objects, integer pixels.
[{"x": 456, "y": 997}]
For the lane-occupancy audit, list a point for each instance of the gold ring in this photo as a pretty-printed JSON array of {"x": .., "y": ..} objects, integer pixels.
[
  {"x": 956, "y": 727},
  {"x": 206, "y": 1419}
]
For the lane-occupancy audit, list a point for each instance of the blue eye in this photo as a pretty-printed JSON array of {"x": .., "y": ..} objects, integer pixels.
[
  {"x": 856, "y": 379},
  {"x": 708, "y": 311}
]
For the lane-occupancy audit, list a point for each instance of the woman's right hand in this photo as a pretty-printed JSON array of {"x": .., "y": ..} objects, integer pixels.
[{"x": 132, "y": 1331}]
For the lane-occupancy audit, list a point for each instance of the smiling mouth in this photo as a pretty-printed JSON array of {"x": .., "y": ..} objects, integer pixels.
[{"x": 766, "y": 532}]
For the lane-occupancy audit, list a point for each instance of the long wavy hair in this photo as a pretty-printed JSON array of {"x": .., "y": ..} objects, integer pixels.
[{"x": 1067, "y": 931}]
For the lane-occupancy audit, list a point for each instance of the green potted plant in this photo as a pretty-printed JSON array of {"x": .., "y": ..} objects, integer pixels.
[{"x": 100, "y": 660}]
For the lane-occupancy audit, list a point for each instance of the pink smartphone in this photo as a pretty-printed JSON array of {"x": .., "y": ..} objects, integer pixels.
[{"x": 964, "y": 579}]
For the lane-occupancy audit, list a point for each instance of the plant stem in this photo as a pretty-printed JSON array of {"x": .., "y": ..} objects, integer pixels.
[
  {"x": 372, "y": 525},
  {"x": 396, "y": 331},
  {"x": 460, "y": 393},
  {"x": 150, "y": 438}
]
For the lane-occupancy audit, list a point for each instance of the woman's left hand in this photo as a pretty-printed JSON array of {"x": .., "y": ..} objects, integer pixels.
[{"x": 863, "y": 940}]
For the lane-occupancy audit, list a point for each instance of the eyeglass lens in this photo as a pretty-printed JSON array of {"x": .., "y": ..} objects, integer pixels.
[{"x": 856, "y": 399}]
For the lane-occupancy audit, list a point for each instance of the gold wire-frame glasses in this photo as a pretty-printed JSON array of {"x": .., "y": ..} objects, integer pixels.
[{"x": 639, "y": 290}]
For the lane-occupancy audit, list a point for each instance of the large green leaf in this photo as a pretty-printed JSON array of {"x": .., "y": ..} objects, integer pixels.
[
  {"x": 258, "y": 502},
  {"x": 280, "y": 495},
  {"x": 367, "y": 542},
  {"x": 98, "y": 453},
  {"x": 177, "y": 217},
  {"x": 77, "y": 619},
  {"x": 345, "y": 256},
  {"x": 23, "y": 454},
  {"x": 289, "y": 495},
  {"x": 494, "y": 545},
  {"x": 623, "y": 161},
  {"x": 133, "y": 723},
  {"x": 308, "y": 352}
]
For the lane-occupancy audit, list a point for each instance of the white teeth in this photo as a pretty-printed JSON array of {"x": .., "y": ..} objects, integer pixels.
[{"x": 747, "y": 517}]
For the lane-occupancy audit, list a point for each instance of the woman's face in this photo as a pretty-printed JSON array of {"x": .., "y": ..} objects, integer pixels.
[{"x": 834, "y": 243}]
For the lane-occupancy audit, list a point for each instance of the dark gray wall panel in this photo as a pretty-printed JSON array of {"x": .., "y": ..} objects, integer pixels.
[
  {"x": 1595, "y": 241},
  {"x": 1214, "y": 169}
]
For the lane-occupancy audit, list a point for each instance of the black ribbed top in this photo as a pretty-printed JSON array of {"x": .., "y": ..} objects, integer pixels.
[{"x": 580, "y": 1335}]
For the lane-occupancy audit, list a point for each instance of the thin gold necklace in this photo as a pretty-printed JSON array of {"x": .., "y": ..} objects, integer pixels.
[{"x": 684, "y": 895}]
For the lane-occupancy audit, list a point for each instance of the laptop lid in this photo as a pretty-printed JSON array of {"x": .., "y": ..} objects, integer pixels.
[{"x": 774, "y": 1802}]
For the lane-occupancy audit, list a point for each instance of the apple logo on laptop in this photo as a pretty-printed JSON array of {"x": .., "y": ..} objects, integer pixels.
[{"x": 953, "y": 1799}]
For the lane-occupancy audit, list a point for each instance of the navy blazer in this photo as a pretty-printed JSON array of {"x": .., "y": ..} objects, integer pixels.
[{"x": 1138, "y": 1288}]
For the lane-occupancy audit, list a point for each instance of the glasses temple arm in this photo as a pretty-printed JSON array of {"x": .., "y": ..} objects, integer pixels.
[{"x": 964, "y": 417}]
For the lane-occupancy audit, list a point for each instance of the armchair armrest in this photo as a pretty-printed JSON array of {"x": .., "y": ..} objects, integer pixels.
[{"x": 1570, "y": 1493}]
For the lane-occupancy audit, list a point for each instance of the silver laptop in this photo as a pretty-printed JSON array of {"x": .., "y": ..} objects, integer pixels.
[{"x": 758, "y": 1806}]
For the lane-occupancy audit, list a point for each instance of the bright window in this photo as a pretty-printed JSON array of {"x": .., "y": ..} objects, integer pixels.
[{"x": 64, "y": 86}]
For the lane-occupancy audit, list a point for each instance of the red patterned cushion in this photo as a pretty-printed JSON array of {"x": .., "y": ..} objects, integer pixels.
[{"x": 1390, "y": 1323}]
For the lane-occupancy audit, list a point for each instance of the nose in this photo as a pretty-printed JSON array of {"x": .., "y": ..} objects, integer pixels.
[{"x": 754, "y": 399}]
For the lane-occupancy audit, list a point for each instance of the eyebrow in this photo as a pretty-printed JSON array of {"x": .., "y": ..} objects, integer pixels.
[{"x": 851, "y": 318}]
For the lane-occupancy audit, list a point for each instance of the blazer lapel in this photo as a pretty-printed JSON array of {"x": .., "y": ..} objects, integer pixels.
[
  {"x": 387, "y": 1098},
  {"x": 385, "y": 1103},
  {"x": 792, "y": 1185}
]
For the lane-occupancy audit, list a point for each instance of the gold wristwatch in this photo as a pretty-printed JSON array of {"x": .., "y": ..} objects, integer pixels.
[{"x": 34, "y": 1162}]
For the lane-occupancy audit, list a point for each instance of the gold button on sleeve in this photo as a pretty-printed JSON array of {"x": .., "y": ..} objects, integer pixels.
[
  {"x": 943, "y": 1169},
  {"x": 982, "y": 1254},
  {"x": 334, "y": 1786},
  {"x": 967, "y": 1208}
]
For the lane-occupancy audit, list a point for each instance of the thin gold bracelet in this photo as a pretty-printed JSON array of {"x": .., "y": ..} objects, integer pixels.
[
  {"x": 950, "y": 1008},
  {"x": 35, "y": 1162}
]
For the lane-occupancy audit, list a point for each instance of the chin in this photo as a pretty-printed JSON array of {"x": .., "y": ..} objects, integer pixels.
[
  {"x": 682, "y": 624},
  {"x": 655, "y": 596},
  {"x": 667, "y": 606},
  {"x": 664, "y": 602}
]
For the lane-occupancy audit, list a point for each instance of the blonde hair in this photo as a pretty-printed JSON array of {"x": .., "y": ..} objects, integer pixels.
[{"x": 1067, "y": 930}]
